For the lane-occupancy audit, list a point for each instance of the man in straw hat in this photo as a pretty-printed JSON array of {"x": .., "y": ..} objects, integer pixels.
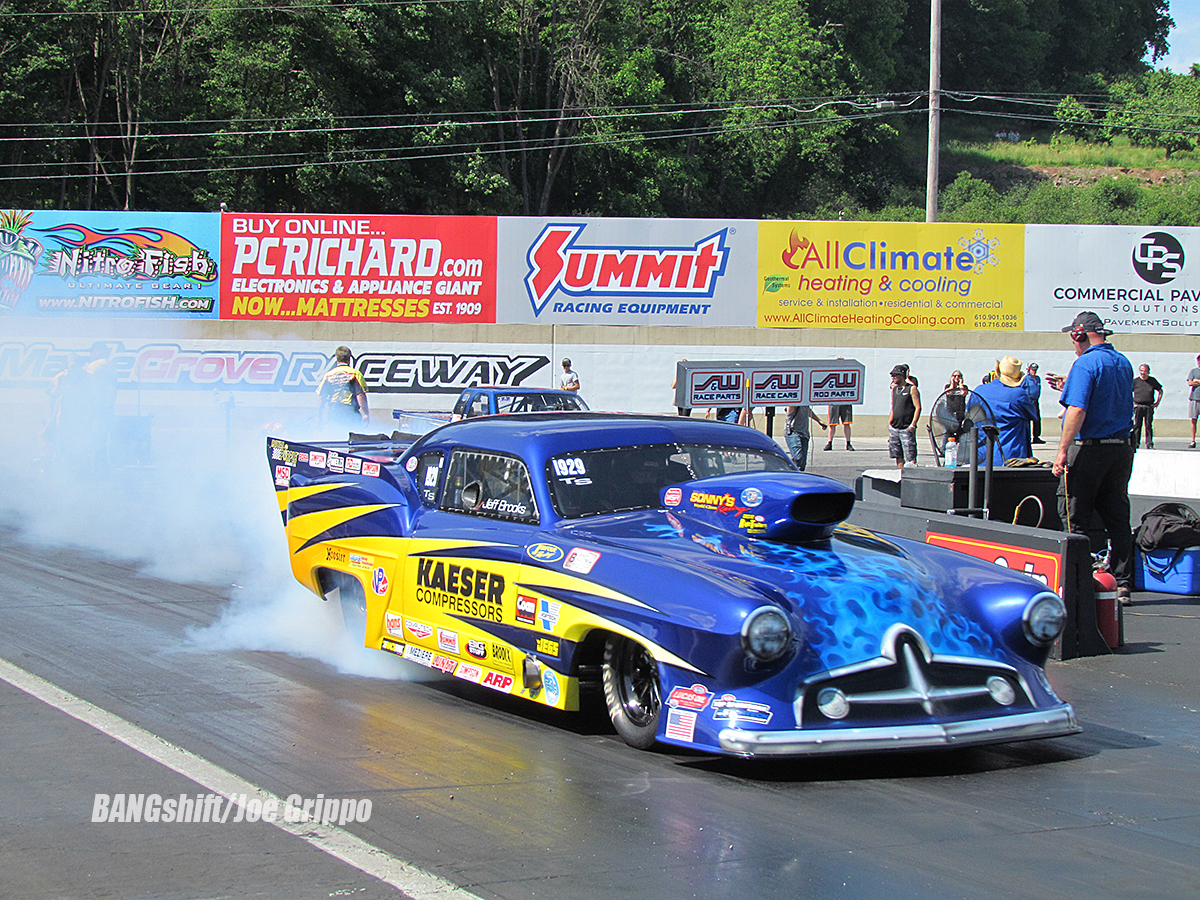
[
  {"x": 1012, "y": 406},
  {"x": 1094, "y": 457}
]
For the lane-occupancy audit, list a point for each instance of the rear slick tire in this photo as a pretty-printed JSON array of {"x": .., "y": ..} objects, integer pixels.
[{"x": 632, "y": 691}]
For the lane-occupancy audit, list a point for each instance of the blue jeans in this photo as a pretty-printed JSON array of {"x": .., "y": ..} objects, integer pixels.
[{"x": 797, "y": 445}]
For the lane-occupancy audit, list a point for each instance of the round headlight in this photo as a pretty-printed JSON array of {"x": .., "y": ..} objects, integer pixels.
[
  {"x": 1044, "y": 619},
  {"x": 766, "y": 634}
]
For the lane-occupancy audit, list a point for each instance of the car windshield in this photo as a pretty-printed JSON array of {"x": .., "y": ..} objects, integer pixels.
[
  {"x": 591, "y": 482},
  {"x": 527, "y": 402}
]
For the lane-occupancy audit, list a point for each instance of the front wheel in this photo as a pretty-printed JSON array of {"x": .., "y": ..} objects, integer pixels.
[{"x": 632, "y": 691}]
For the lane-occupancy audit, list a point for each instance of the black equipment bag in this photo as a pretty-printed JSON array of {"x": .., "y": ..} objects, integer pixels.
[{"x": 1169, "y": 526}]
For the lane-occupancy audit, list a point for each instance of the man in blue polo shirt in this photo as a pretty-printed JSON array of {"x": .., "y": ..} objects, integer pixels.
[{"x": 1094, "y": 458}]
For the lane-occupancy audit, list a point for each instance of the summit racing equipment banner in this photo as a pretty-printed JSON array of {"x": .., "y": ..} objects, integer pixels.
[
  {"x": 358, "y": 268},
  {"x": 626, "y": 271},
  {"x": 894, "y": 275},
  {"x": 61, "y": 263},
  {"x": 1136, "y": 279}
]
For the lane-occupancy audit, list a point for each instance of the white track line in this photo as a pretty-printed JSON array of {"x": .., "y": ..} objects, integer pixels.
[{"x": 338, "y": 843}]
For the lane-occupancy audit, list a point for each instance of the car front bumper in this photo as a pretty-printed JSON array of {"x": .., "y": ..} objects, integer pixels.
[{"x": 819, "y": 742}]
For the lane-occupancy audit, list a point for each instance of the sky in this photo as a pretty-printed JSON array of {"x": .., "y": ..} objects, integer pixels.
[{"x": 1184, "y": 38}]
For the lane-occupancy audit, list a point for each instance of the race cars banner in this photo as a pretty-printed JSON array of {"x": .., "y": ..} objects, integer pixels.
[
  {"x": 56, "y": 263},
  {"x": 709, "y": 272}
]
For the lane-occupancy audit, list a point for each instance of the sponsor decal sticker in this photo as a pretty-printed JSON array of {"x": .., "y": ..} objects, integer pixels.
[
  {"x": 526, "y": 609},
  {"x": 477, "y": 648},
  {"x": 410, "y": 464},
  {"x": 358, "y": 561},
  {"x": 371, "y": 469},
  {"x": 392, "y": 623},
  {"x": 448, "y": 641},
  {"x": 498, "y": 681},
  {"x": 695, "y": 697},
  {"x": 353, "y": 465},
  {"x": 335, "y": 462},
  {"x": 502, "y": 657},
  {"x": 419, "y": 655},
  {"x": 580, "y": 560},
  {"x": 419, "y": 630},
  {"x": 548, "y": 611},
  {"x": 550, "y": 684},
  {"x": 722, "y": 503},
  {"x": 392, "y": 647},
  {"x": 751, "y": 497},
  {"x": 379, "y": 581},
  {"x": 283, "y": 475},
  {"x": 547, "y": 646},
  {"x": 316, "y": 459},
  {"x": 543, "y": 552},
  {"x": 444, "y": 664},
  {"x": 752, "y": 524},
  {"x": 469, "y": 672},
  {"x": 673, "y": 496},
  {"x": 727, "y": 707}
]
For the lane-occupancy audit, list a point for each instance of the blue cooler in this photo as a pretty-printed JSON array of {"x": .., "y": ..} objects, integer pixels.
[{"x": 1167, "y": 571}]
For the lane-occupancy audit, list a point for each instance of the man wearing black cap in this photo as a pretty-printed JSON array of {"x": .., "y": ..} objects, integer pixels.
[
  {"x": 902, "y": 423},
  {"x": 1094, "y": 458}
]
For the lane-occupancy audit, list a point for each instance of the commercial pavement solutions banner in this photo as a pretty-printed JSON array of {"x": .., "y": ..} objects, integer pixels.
[
  {"x": 1138, "y": 279},
  {"x": 893, "y": 275},
  {"x": 626, "y": 271},
  {"x": 358, "y": 268},
  {"x": 205, "y": 366},
  {"x": 62, "y": 263}
]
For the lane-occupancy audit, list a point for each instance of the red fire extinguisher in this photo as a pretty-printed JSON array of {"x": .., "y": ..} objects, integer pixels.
[{"x": 1108, "y": 610}]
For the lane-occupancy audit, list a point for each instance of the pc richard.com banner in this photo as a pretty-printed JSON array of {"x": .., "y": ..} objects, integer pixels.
[{"x": 358, "y": 268}]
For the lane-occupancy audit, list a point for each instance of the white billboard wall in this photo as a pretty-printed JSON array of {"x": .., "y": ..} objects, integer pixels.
[{"x": 1139, "y": 279}]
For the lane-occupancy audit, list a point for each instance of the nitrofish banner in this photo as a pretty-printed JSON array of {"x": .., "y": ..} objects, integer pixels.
[
  {"x": 893, "y": 275},
  {"x": 358, "y": 268},
  {"x": 58, "y": 263}
]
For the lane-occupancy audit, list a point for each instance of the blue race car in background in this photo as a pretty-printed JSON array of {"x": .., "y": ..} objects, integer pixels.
[{"x": 682, "y": 569}]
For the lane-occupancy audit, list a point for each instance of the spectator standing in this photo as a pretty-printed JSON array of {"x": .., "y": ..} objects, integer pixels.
[
  {"x": 343, "y": 392},
  {"x": 844, "y": 414},
  {"x": 1012, "y": 408},
  {"x": 1033, "y": 383},
  {"x": 1147, "y": 394},
  {"x": 902, "y": 423},
  {"x": 568, "y": 380},
  {"x": 796, "y": 433},
  {"x": 1193, "y": 380},
  {"x": 1094, "y": 459}
]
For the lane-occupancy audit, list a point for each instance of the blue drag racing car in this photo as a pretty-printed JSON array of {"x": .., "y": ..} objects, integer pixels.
[{"x": 681, "y": 569}]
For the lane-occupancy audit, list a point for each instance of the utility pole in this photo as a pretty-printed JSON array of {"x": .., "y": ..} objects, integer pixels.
[{"x": 935, "y": 116}]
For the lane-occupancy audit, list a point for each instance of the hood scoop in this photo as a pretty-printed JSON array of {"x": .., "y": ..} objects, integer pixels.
[{"x": 789, "y": 507}]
